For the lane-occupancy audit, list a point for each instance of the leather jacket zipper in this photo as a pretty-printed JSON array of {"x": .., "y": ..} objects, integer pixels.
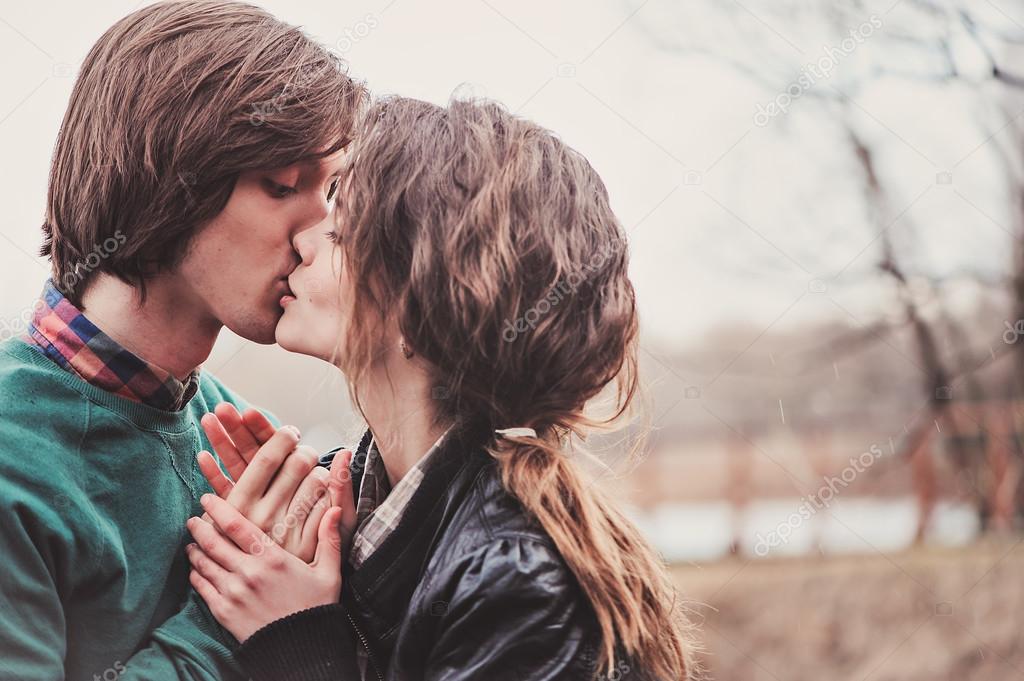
[{"x": 366, "y": 646}]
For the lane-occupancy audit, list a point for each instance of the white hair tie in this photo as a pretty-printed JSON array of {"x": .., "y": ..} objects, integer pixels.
[{"x": 517, "y": 432}]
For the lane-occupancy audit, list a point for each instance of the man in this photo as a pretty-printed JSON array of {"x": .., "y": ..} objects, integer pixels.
[{"x": 200, "y": 137}]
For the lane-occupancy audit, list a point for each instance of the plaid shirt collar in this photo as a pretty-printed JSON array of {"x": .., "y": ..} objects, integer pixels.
[
  {"x": 380, "y": 508},
  {"x": 61, "y": 332}
]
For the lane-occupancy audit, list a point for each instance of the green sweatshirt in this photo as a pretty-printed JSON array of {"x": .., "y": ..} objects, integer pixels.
[{"x": 95, "y": 490}]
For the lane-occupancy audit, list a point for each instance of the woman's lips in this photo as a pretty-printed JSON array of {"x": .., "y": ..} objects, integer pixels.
[{"x": 288, "y": 295}]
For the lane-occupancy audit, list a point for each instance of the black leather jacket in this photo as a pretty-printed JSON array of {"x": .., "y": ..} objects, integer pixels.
[{"x": 466, "y": 587}]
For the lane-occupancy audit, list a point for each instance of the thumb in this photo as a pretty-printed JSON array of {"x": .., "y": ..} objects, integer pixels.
[
  {"x": 343, "y": 494},
  {"x": 328, "y": 546}
]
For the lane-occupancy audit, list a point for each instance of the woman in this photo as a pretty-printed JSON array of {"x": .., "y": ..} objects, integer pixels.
[{"x": 474, "y": 292}]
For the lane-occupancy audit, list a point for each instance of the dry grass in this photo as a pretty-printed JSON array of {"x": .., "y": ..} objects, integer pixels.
[{"x": 923, "y": 615}]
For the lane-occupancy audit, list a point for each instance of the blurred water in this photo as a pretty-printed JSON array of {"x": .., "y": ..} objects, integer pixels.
[{"x": 776, "y": 527}]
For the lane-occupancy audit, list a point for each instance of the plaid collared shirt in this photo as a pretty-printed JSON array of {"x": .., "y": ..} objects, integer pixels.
[
  {"x": 63, "y": 333},
  {"x": 380, "y": 508},
  {"x": 378, "y": 512}
]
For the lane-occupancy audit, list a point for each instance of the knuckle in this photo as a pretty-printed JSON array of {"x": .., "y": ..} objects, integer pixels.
[
  {"x": 252, "y": 579},
  {"x": 285, "y": 435},
  {"x": 266, "y": 461},
  {"x": 219, "y": 609},
  {"x": 303, "y": 459},
  {"x": 233, "y": 527},
  {"x": 294, "y": 466},
  {"x": 308, "y": 454},
  {"x": 206, "y": 543},
  {"x": 276, "y": 562},
  {"x": 235, "y": 591}
]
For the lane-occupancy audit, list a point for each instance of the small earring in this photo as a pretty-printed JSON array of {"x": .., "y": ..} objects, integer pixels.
[{"x": 405, "y": 350}]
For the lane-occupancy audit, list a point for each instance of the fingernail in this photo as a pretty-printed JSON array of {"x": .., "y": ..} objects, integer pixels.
[{"x": 205, "y": 499}]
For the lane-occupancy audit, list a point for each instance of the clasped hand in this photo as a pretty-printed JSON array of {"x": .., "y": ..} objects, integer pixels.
[{"x": 271, "y": 541}]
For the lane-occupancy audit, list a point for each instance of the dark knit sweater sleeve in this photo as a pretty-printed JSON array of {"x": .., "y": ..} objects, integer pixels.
[{"x": 311, "y": 645}]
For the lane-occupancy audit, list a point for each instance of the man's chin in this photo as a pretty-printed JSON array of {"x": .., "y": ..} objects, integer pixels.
[{"x": 261, "y": 331}]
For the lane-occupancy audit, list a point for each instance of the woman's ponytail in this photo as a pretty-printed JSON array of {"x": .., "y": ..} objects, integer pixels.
[{"x": 621, "y": 575}]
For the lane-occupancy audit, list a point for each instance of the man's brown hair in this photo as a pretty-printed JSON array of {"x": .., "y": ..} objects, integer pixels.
[{"x": 172, "y": 103}]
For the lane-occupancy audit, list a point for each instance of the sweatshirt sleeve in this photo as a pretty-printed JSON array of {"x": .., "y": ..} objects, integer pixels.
[
  {"x": 32, "y": 630},
  {"x": 189, "y": 645},
  {"x": 33, "y": 633}
]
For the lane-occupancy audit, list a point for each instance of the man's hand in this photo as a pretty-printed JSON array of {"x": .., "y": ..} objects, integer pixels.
[{"x": 236, "y": 438}]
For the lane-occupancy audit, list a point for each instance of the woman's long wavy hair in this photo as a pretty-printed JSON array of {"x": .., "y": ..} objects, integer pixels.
[{"x": 493, "y": 247}]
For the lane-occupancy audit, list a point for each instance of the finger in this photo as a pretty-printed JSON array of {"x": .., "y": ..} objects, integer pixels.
[
  {"x": 214, "y": 544},
  {"x": 207, "y": 567},
  {"x": 214, "y": 475},
  {"x": 340, "y": 482},
  {"x": 263, "y": 467},
  {"x": 223, "y": 445},
  {"x": 248, "y": 538},
  {"x": 311, "y": 492},
  {"x": 343, "y": 495},
  {"x": 322, "y": 501},
  {"x": 237, "y": 430},
  {"x": 328, "y": 548},
  {"x": 284, "y": 487},
  {"x": 258, "y": 424},
  {"x": 207, "y": 591}
]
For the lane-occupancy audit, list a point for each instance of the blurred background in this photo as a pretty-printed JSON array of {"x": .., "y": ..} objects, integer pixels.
[{"x": 825, "y": 202}]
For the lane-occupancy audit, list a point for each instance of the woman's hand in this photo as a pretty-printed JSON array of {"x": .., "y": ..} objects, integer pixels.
[
  {"x": 247, "y": 580},
  {"x": 275, "y": 483}
]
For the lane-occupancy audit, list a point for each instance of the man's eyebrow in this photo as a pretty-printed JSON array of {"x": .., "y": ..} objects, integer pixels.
[
  {"x": 315, "y": 168},
  {"x": 287, "y": 175}
]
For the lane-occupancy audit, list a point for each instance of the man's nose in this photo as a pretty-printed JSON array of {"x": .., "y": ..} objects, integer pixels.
[
  {"x": 317, "y": 207},
  {"x": 302, "y": 244}
]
